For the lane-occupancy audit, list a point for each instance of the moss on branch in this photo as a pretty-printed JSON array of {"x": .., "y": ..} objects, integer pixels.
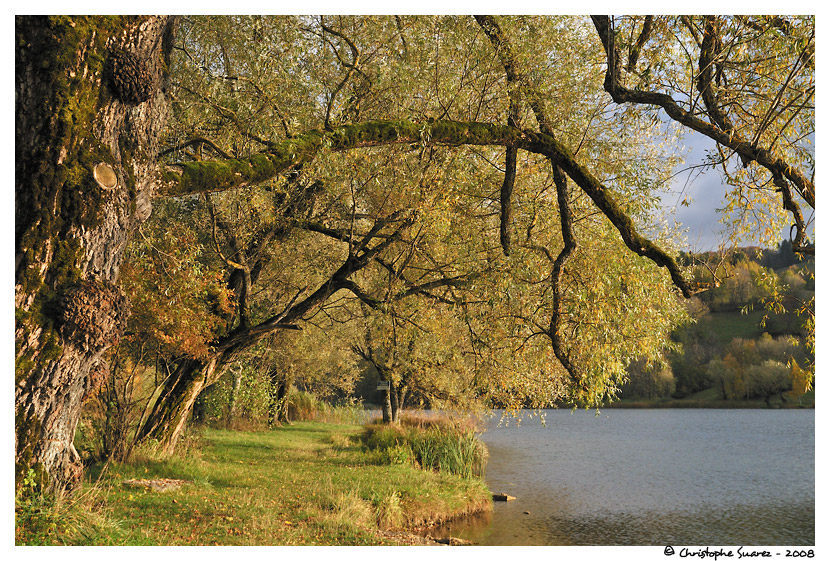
[
  {"x": 208, "y": 176},
  {"x": 211, "y": 176}
]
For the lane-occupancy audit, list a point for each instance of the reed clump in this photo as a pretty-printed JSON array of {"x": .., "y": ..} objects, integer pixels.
[
  {"x": 438, "y": 443},
  {"x": 305, "y": 406}
]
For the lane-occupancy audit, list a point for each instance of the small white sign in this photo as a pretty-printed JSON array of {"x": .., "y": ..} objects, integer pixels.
[{"x": 383, "y": 385}]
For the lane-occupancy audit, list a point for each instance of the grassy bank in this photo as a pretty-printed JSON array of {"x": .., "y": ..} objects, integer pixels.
[{"x": 308, "y": 483}]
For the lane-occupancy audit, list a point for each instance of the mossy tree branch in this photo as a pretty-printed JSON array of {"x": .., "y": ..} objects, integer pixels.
[{"x": 201, "y": 177}]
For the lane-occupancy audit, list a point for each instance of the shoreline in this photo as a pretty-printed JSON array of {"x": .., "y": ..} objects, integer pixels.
[{"x": 701, "y": 404}]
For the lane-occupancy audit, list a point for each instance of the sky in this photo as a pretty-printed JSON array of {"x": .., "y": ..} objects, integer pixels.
[{"x": 706, "y": 190}]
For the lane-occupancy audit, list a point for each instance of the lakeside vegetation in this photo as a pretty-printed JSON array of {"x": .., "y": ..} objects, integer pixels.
[
  {"x": 712, "y": 399},
  {"x": 308, "y": 483},
  {"x": 750, "y": 342}
]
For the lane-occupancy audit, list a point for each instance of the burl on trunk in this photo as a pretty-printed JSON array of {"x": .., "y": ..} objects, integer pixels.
[{"x": 89, "y": 107}]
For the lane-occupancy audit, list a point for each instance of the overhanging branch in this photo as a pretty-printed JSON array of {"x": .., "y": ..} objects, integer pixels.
[
  {"x": 745, "y": 149},
  {"x": 198, "y": 177}
]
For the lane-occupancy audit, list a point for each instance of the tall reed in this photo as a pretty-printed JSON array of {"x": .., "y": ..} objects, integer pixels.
[
  {"x": 305, "y": 406},
  {"x": 448, "y": 447}
]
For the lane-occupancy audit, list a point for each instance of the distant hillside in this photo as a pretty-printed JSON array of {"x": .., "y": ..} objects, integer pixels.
[{"x": 751, "y": 339}]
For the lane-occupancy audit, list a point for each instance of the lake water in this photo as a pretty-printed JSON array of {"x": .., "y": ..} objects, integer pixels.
[{"x": 651, "y": 477}]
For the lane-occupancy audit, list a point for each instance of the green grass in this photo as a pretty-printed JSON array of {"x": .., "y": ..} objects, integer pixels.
[
  {"x": 308, "y": 483},
  {"x": 728, "y": 325}
]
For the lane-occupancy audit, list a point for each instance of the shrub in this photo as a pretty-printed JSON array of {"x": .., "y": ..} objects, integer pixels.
[
  {"x": 400, "y": 454},
  {"x": 303, "y": 406},
  {"x": 250, "y": 408},
  {"x": 768, "y": 379},
  {"x": 381, "y": 437}
]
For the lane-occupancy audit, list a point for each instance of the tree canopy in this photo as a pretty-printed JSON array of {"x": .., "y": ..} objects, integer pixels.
[{"x": 470, "y": 204}]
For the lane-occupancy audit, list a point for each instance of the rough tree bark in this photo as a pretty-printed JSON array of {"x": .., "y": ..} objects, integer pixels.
[
  {"x": 89, "y": 107},
  {"x": 172, "y": 408}
]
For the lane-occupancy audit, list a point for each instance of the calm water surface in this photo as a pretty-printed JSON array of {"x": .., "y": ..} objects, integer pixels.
[{"x": 652, "y": 477}]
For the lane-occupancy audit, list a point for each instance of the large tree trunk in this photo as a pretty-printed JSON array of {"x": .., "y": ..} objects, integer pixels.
[{"x": 89, "y": 107}]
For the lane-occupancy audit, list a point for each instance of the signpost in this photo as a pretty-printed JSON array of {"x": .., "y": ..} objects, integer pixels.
[{"x": 383, "y": 385}]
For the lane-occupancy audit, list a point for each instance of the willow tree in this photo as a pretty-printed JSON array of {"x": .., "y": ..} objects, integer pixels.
[
  {"x": 89, "y": 115},
  {"x": 745, "y": 82},
  {"x": 89, "y": 108}
]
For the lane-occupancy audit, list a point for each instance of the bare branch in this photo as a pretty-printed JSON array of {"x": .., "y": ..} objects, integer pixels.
[
  {"x": 195, "y": 142},
  {"x": 351, "y": 67},
  {"x": 565, "y": 221},
  {"x": 634, "y": 53}
]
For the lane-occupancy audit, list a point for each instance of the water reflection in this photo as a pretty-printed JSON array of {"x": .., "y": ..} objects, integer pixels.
[{"x": 474, "y": 528}]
